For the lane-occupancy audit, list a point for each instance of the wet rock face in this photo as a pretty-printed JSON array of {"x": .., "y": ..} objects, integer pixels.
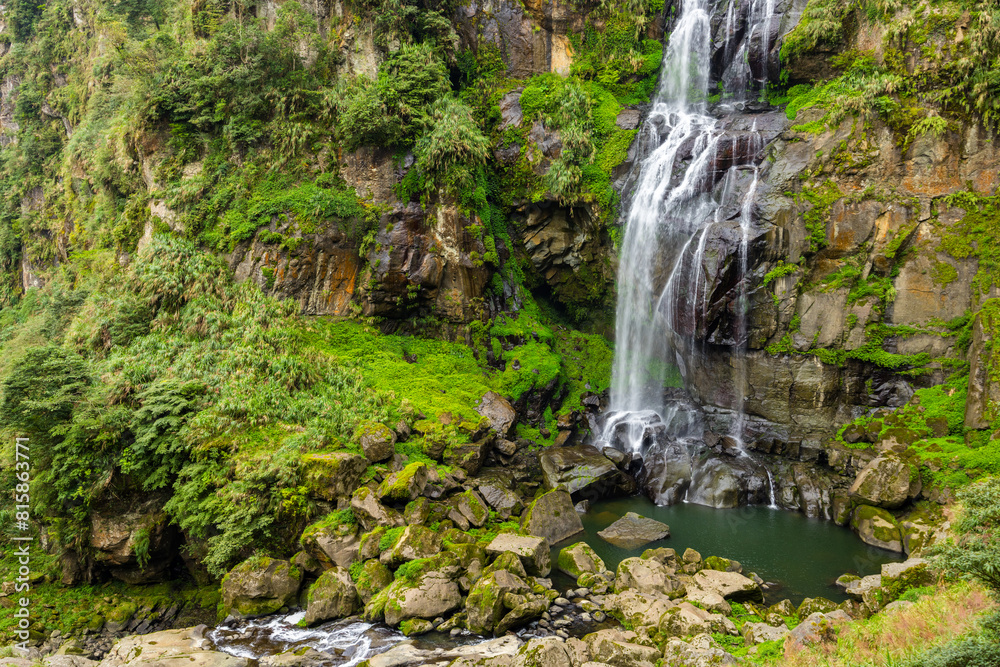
[
  {"x": 532, "y": 37},
  {"x": 118, "y": 537}
]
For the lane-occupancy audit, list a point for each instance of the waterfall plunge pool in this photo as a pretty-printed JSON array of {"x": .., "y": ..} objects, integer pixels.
[{"x": 799, "y": 556}]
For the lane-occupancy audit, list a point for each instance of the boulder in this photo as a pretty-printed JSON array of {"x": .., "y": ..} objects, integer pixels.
[
  {"x": 523, "y": 613},
  {"x": 758, "y": 633},
  {"x": 371, "y": 513},
  {"x": 377, "y": 441},
  {"x": 618, "y": 648},
  {"x": 817, "y": 628},
  {"x": 888, "y": 481},
  {"x": 170, "y": 648},
  {"x": 331, "y": 545},
  {"x": 330, "y": 476},
  {"x": 810, "y": 606},
  {"x": 472, "y": 506},
  {"x": 859, "y": 586},
  {"x": 405, "y": 485},
  {"x": 491, "y": 653},
  {"x": 543, "y": 652},
  {"x": 552, "y": 516},
  {"x": 484, "y": 607},
  {"x": 505, "y": 503},
  {"x": 430, "y": 595},
  {"x": 413, "y": 543},
  {"x": 730, "y": 585},
  {"x": 911, "y": 573},
  {"x": 332, "y": 596},
  {"x": 700, "y": 651},
  {"x": 686, "y": 619},
  {"x": 506, "y": 561},
  {"x": 709, "y": 600},
  {"x": 497, "y": 410},
  {"x": 578, "y": 558},
  {"x": 647, "y": 576},
  {"x": 532, "y": 551},
  {"x": 637, "y": 609},
  {"x": 373, "y": 578},
  {"x": 632, "y": 531},
  {"x": 259, "y": 586},
  {"x": 582, "y": 470},
  {"x": 875, "y": 526}
]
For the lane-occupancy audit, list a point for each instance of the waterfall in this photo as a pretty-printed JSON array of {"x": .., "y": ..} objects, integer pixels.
[{"x": 690, "y": 166}]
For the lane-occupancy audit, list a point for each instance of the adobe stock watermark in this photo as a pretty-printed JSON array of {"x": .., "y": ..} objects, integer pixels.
[{"x": 22, "y": 539}]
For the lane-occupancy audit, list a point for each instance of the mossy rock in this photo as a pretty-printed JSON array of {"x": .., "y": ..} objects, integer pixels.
[
  {"x": 259, "y": 586},
  {"x": 877, "y": 527},
  {"x": 377, "y": 441},
  {"x": 405, "y": 485},
  {"x": 813, "y": 605},
  {"x": 372, "y": 577},
  {"x": 333, "y": 475},
  {"x": 578, "y": 559}
]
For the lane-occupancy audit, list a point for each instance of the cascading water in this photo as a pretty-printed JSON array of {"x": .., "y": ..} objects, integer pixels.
[{"x": 696, "y": 175}]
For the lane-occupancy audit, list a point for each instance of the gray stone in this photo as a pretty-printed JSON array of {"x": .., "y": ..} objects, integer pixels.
[
  {"x": 533, "y": 551},
  {"x": 495, "y": 407},
  {"x": 332, "y": 596},
  {"x": 259, "y": 586},
  {"x": 582, "y": 470},
  {"x": 552, "y": 516},
  {"x": 632, "y": 531}
]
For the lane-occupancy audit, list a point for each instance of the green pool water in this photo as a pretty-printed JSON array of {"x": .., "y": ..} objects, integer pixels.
[{"x": 801, "y": 556}]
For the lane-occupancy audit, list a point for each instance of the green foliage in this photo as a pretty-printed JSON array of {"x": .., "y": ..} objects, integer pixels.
[
  {"x": 390, "y": 110},
  {"x": 975, "y": 552},
  {"x": 453, "y": 149}
]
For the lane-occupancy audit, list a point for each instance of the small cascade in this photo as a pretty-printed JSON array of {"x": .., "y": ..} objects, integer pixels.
[
  {"x": 772, "y": 504},
  {"x": 686, "y": 256}
]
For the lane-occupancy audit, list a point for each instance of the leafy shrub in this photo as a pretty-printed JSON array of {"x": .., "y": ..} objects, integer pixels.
[{"x": 453, "y": 147}]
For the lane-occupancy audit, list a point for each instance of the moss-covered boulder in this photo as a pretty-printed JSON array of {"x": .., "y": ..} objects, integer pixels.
[
  {"x": 368, "y": 547},
  {"x": 404, "y": 485},
  {"x": 523, "y": 613},
  {"x": 330, "y": 542},
  {"x": 484, "y": 607},
  {"x": 533, "y": 551},
  {"x": 377, "y": 441},
  {"x": 686, "y": 619},
  {"x": 543, "y": 652},
  {"x": 413, "y": 543},
  {"x": 506, "y": 503},
  {"x": 472, "y": 507},
  {"x": 810, "y": 606},
  {"x": 427, "y": 595},
  {"x": 578, "y": 558},
  {"x": 372, "y": 576},
  {"x": 888, "y": 481},
  {"x": 259, "y": 586},
  {"x": 371, "y": 513},
  {"x": 912, "y": 573},
  {"x": 552, "y": 516},
  {"x": 417, "y": 512},
  {"x": 506, "y": 561},
  {"x": 875, "y": 526},
  {"x": 332, "y": 596},
  {"x": 333, "y": 475}
]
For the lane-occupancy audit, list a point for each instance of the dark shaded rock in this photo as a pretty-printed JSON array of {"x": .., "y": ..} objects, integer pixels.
[{"x": 583, "y": 471}]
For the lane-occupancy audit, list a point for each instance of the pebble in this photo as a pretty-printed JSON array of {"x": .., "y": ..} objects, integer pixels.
[
  {"x": 456, "y": 632},
  {"x": 585, "y": 617},
  {"x": 582, "y": 592},
  {"x": 556, "y": 609},
  {"x": 543, "y": 623},
  {"x": 546, "y": 616},
  {"x": 562, "y": 633},
  {"x": 561, "y": 623},
  {"x": 587, "y": 605},
  {"x": 599, "y": 616},
  {"x": 562, "y": 602}
]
